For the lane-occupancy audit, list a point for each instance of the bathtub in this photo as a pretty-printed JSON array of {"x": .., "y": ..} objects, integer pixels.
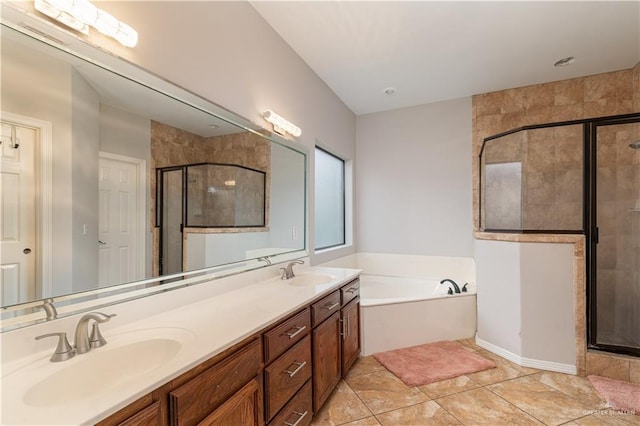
[{"x": 397, "y": 312}]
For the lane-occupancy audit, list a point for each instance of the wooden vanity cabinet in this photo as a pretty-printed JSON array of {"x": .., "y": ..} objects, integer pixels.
[
  {"x": 336, "y": 339},
  {"x": 326, "y": 359},
  {"x": 288, "y": 370},
  {"x": 197, "y": 399},
  {"x": 326, "y": 347},
  {"x": 143, "y": 412},
  {"x": 243, "y": 408},
  {"x": 350, "y": 335},
  {"x": 279, "y": 376}
]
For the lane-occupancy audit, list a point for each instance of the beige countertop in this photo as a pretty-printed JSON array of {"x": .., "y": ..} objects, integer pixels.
[{"x": 204, "y": 329}]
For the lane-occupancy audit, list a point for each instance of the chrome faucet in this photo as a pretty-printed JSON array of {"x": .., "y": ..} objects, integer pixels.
[
  {"x": 83, "y": 342},
  {"x": 49, "y": 309},
  {"x": 287, "y": 273}
]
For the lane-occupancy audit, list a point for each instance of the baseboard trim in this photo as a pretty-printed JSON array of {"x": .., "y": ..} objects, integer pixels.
[{"x": 527, "y": 362}]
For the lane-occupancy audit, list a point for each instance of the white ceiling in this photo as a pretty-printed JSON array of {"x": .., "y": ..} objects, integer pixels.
[{"x": 434, "y": 51}]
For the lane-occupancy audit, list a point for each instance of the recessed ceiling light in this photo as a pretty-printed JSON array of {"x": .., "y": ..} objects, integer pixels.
[
  {"x": 389, "y": 90},
  {"x": 213, "y": 126},
  {"x": 565, "y": 61}
]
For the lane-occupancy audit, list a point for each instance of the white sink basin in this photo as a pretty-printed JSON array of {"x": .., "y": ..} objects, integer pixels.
[
  {"x": 309, "y": 280},
  {"x": 125, "y": 358}
]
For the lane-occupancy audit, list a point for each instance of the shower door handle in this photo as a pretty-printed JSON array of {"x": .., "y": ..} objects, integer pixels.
[{"x": 596, "y": 235}]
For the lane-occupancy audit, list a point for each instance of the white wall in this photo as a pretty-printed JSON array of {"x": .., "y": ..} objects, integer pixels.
[
  {"x": 525, "y": 302},
  {"x": 414, "y": 180},
  {"x": 36, "y": 87},
  {"x": 85, "y": 104},
  {"x": 547, "y": 302},
  {"x": 498, "y": 294}
]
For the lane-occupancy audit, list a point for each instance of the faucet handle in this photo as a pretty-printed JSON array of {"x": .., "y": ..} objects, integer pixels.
[
  {"x": 284, "y": 274},
  {"x": 96, "y": 339},
  {"x": 64, "y": 350}
]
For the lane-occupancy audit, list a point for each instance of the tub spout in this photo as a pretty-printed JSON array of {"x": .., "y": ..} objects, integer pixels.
[{"x": 453, "y": 283}]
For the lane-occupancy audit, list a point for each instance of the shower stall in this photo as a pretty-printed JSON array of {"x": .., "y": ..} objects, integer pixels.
[
  {"x": 206, "y": 196},
  {"x": 614, "y": 273},
  {"x": 577, "y": 177}
]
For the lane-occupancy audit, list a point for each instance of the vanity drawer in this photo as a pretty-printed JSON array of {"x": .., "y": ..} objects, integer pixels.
[
  {"x": 196, "y": 399},
  {"x": 350, "y": 291},
  {"x": 299, "y": 411},
  {"x": 286, "y": 375},
  {"x": 285, "y": 335},
  {"x": 325, "y": 308}
]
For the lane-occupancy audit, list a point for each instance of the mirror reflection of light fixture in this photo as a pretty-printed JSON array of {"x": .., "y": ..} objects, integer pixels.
[
  {"x": 230, "y": 183},
  {"x": 81, "y": 14},
  {"x": 280, "y": 125}
]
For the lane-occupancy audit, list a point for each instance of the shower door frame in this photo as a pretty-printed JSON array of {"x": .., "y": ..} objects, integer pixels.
[
  {"x": 591, "y": 167},
  {"x": 160, "y": 207}
]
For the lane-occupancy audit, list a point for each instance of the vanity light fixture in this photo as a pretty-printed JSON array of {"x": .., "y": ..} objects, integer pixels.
[
  {"x": 82, "y": 14},
  {"x": 280, "y": 125}
]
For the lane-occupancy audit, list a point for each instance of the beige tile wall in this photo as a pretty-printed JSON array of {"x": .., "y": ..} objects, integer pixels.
[{"x": 587, "y": 97}]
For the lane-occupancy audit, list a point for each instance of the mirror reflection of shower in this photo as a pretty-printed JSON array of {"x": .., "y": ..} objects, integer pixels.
[{"x": 205, "y": 197}]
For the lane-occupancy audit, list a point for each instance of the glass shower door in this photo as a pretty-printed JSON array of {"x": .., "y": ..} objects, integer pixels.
[
  {"x": 617, "y": 252},
  {"x": 171, "y": 228}
]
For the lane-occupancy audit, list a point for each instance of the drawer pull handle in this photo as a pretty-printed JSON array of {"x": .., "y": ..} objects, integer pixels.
[
  {"x": 300, "y": 417},
  {"x": 353, "y": 290},
  {"x": 294, "y": 372},
  {"x": 346, "y": 327},
  {"x": 299, "y": 329},
  {"x": 331, "y": 307}
]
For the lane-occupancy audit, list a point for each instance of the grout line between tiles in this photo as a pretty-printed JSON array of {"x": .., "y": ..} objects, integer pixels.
[{"x": 511, "y": 403}]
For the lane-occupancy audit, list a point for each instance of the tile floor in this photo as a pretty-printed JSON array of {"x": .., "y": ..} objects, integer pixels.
[{"x": 506, "y": 395}]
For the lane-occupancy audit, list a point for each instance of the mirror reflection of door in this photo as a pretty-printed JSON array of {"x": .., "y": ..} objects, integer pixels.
[
  {"x": 171, "y": 200},
  {"x": 18, "y": 239},
  {"x": 120, "y": 220}
]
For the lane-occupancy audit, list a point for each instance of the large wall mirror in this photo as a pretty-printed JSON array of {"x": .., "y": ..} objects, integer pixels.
[{"x": 108, "y": 184}]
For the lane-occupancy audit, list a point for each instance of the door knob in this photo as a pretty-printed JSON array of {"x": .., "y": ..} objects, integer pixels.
[
  {"x": 26, "y": 251},
  {"x": 102, "y": 242}
]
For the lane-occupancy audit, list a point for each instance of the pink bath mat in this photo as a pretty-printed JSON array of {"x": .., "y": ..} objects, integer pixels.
[
  {"x": 618, "y": 394},
  {"x": 432, "y": 362}
]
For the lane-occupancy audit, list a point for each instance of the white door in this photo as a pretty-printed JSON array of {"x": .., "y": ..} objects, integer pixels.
[
  {"x": 18, "y": 238},
  {"x": 120, "y": 246}
]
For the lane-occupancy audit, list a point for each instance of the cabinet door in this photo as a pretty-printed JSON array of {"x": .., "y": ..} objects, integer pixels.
[
  {"x": 243, "y": 408},
  {"x": 326, "y": 359},
  {"x": 147, "y": 417},
  {"x": 194, "y": 400},
  {"x": 350, "y": 334}
]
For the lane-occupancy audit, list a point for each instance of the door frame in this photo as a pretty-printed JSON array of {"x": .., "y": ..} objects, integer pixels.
[
  {"x": 141, "y": 204},
  {"x": 592, "y": 232},
  {"x": 44, "y": 198}
]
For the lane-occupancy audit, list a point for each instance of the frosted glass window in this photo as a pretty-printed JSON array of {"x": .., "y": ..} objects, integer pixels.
[{"x": 329, "y": 200}]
